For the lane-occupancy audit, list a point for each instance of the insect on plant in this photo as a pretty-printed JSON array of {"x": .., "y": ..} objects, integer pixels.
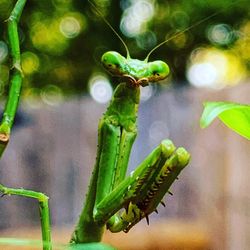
[
  {"x": 113, "y": 201},
  {"x": 110, "y": 190}
]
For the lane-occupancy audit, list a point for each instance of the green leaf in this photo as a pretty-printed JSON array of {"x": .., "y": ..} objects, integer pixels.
[{"x": 235, "y": 116}]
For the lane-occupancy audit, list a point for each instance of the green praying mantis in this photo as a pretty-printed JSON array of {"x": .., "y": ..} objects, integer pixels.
[
  {"x": 113, "y": 200},
  {"x": 110, "y": 190}
]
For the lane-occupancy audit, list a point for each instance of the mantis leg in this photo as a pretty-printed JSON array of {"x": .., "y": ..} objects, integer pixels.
[
  {"x": 114, "y": 146},
  {"x": 142, "y": 191},
  {"x": 116, "y": 134},
  {"x": 115, "y": 153},
  {"x": 43, "y": 209},
  {"x": 115, "y": 150},
  {"x": 109, "y": 189}
]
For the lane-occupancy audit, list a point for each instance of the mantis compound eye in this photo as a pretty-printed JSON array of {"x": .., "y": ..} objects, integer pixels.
[
  {"x": 159, "y": 70},
  {"x": 113, "y": 62}
]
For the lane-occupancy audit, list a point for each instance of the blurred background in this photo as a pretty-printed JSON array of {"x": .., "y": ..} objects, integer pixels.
[{"x": 66, "y": 90}]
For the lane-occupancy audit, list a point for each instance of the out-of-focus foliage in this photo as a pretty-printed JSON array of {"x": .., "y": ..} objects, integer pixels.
[{"x": 62, "y": 40}]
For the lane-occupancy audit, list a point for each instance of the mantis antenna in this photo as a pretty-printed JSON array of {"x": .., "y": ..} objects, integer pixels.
[
  {"x": 110, "y": 26},
  {"x": 187, "y": 29},
  {"x": 162, "y": 43}
]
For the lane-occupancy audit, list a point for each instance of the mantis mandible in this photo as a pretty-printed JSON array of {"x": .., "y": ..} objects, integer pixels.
[{"x": 114, "y": 200}]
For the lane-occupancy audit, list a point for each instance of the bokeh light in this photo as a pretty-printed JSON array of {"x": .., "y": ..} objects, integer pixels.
[
  {"x": 30, "y": 62},
  {"x": 135, "y": 18},
  {"x": 214, "y": 68},
  {"x": 51, "y": 95},
  {"x": 72, "y": 24},
  {"x": 100, "y": 88},
  {"x": 46, "y": 36},
  {"x": 142, "y": 10},
  {"x": 203, "y": 75},
  {"x": 70, "y": 27},
  {"x": 221, "y": 34}
]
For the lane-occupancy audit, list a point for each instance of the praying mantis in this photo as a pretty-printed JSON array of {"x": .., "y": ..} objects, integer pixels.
[
  {"x": 141, "y": 192},
  {"x": 110, "y": 190},
  {"x": 114, "y": 200}
]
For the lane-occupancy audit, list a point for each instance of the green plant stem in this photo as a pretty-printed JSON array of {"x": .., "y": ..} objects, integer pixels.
[
  {"x": 43, "y": 209},
  {"x": 16, "y": 76}
]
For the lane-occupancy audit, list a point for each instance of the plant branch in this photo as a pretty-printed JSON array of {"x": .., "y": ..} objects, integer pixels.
[
  {"x": 16, "y": 76},
  {"x": 43, "y": 209}
]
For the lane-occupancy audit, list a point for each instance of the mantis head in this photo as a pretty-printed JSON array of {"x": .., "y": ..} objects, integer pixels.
[{"x": 135, "y": 71}]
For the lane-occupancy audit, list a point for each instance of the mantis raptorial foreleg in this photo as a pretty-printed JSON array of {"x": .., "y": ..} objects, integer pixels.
[{"x": 141, "y": 192}]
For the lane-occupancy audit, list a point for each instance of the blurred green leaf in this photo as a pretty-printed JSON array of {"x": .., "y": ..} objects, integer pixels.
[
  {"x": 91, "y": 246},
  {"x": 235, "y": 116},
  {"x": 37, "y": 244}
]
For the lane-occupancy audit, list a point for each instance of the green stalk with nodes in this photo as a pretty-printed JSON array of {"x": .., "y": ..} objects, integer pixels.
[
  {"x": 16, "y": 76},
  {"x": 43, "y": 209},
  {"x": 113, "y": 200}
]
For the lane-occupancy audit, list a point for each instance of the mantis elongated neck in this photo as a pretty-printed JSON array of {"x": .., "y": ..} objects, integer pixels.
[{"x": 123, "y": 107}]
